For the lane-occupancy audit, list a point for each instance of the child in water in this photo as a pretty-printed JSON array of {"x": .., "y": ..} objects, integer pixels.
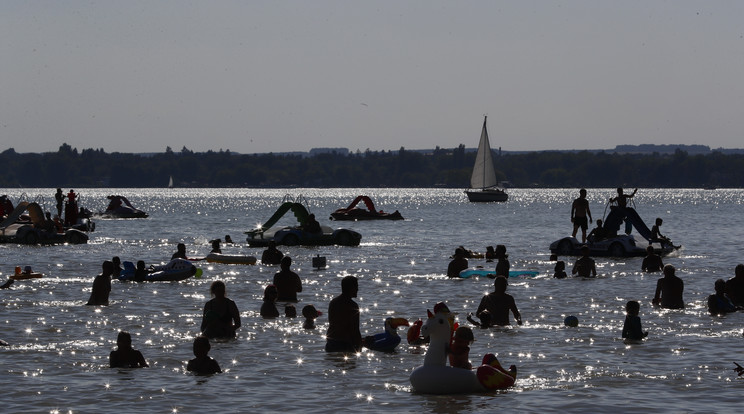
[
  {"x": 460, "y": 349},
  {"x": 560, "y": 270},
  {"x": 124, "y": 356},
  {"x": 203, "y": 364},
  {"x": 632, "y": 327},
  {"x": 290, "y": 311},
  {"x": 140, "y": 272},
  {"x": 310, "y": 314},
  {"x": 268, "y": 309}
]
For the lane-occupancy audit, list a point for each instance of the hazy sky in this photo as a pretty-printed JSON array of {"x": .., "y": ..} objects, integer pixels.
[{"x": 262, "y": 76}]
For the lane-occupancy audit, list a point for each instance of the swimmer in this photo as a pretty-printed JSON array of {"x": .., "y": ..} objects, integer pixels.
[
  {"x": 669, "y": 290},
  {"x": 216, "y": 246},
  {"x": 310, "y": 314},
  {"x": 560, "y": 270},
  {"x": 585, "y": 265},
  {"x": 125, "y": 356},
  {"x": 268, "y": 308},
  {"x": 458, "y": 264},
  {"x": 290, "y": 311},
  {"x": 499, "y": 303},
  {"x": 180, "y": 252},
  {"x": 632, "y": 327},
  {"x": 503, "y": 265},
  {"x": 459, "y": 350},
  {"x": 220, "y": 318},
  {"x": 343, "y": 333},
  {"x": 203, "y": 364},
  {"x": 99, "y": 295},
  {"x": 7, "y": 284},
  {"x": 652, "y": 262},
  {"x": 228, "y": 239},
  {"x": 287, "y": 282},
  {"x": 140, "y": 272}
]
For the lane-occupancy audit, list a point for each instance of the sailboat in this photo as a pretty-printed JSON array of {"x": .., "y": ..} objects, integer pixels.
[
  {"x": 483, "y": 183},
  {"x": 170, "y": 182}
]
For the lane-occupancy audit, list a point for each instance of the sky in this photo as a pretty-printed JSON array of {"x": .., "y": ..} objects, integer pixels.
[{"x": 278, "y": 76}]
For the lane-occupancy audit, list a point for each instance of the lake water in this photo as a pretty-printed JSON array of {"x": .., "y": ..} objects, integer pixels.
[{"x": 58, "y": 357}]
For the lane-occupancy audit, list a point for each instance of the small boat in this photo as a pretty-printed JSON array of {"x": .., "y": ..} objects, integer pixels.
[
  {"x": 353, "y": 213},
  {"x": 483, "y": 183},
  {"x": 120, "y": 208}
]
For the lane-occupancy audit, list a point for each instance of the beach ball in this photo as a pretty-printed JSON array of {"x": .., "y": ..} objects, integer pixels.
[{"x": 571, "y": 321}]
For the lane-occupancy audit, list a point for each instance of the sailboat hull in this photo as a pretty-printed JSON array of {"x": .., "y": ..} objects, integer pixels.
[{"x": 487, "y": 195}]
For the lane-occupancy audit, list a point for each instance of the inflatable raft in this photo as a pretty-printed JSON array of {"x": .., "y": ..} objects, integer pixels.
[
  {"x": 479, "y": 271},
  {"x": 173, "y": 271},
  {"x": 230, "y": 259}
]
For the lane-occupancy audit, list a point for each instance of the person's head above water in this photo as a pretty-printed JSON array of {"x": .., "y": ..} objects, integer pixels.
[
  {"x": 217, "y": 288},
  {"x": 632, "y": 307},
  {"x": 350, "y": 286},
  {"x": 124, "y": 340},
  {"x": 499, "y": 284}
]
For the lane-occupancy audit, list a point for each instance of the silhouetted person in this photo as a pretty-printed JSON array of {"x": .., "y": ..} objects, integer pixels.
[
  {"x": 719, "y": 303},
  {"x": 216, "y": 246},
  {"x": 579, "y": 214},
  {"x": 502, "y": 263},
  {"x": 59, "y": 196},
  {"x": 669, "y": 290},
  {"x": 735, "y": 286},
  {"x": 632, "y": 327},
  {"x": 457, "y": 264},
  {"x": 99, "y": 295},
  {"x": 203, "y": 364},
  {"x": 498, "y": 304},
  {"x": 272, "y": 255},
  {"x": 585, "y": 265},
  {"x": 343, "y": 319},
  {"x": 180, "y": 252},
  {"x": 124, "y": 356},
  {"x": 312, "y": 226},
  {"x": 220, "y": 318},
  {"x": 268, "y": 307},
  {"x": 560, "y": 270},
  {"x": 287, "y": 282},
  {"x": 652, "y": 262},
  {"x": 598, "y": 233}
]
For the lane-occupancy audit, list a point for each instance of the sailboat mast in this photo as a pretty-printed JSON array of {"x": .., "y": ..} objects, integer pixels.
[{"x": 485, "y": 133}]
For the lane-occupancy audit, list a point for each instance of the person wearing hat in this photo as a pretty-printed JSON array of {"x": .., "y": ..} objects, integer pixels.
[{"x": 310, "y": 314}]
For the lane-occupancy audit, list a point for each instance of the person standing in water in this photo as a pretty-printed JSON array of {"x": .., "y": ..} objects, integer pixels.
[
  {"x": 669, "y": 290},
  {"x": 220, "y": 318},
  {"x": 99, "y": 295},
  {"x": 343, "y": 319},
  {"x": 124, "y": 356},
  {"x": 579, "y": 213}
]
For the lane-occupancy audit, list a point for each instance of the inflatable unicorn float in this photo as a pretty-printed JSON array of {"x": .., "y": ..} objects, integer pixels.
[{"x": 435, "y": 377}]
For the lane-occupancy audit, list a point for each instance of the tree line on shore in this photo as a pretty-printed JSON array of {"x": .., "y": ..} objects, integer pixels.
[{"x": 449, "y": 168}]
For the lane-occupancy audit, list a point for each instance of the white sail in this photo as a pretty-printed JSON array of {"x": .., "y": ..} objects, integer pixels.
[
  {"x": 484, "y": 175},
  {"x": 170, "y": 182}
]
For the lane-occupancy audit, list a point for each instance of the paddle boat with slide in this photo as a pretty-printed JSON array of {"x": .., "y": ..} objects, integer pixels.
[{"x": 299, "y": 235}]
